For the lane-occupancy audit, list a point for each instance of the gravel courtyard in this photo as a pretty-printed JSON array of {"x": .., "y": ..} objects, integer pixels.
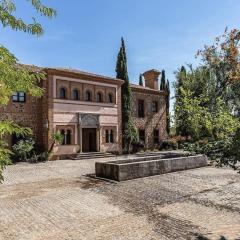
[{"x": 60, "y": 201}]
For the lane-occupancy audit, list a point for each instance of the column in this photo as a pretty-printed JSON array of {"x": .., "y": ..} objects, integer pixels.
[
  {"x": 98, "y": 139},
  {"x": 80, "y": 138}
]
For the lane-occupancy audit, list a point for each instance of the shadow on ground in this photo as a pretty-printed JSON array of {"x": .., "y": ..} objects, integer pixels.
[{"x": 201, "y": 237}]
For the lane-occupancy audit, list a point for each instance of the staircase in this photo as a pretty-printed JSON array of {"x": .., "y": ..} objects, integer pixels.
[{"x": 92, "y": 155}]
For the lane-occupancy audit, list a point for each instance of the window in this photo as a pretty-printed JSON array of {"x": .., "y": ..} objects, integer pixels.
[
  {"x": 110, "y": 98},
  {"x": 63, "y": 135},
  {"x": 62, "y": 93},
  {"x": 141, "y": 108},
  {"x": 68, "y": 137},
  {"x": 88, "y": 96},
  {"x": 142, "y": 135},
  {"x": 154, "y": 106},
  {"x": 76, "y": 95},
  {"x": 99, "y": 97},
  {"x": 19, "y": 97},
  {"x": 107, "y": 136},
  {"x": 111, "y": 140},
  {"x": 156, "y": 136}
]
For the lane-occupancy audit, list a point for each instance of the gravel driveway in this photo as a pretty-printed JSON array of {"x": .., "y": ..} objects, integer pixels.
[{"x": 60, "y": 201}]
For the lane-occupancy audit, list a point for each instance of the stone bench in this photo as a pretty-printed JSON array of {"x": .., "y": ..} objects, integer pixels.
[{"x": 140, "y": 167}]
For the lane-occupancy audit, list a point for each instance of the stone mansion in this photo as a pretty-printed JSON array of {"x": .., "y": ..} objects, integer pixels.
[{"x": 86, "y": 109}]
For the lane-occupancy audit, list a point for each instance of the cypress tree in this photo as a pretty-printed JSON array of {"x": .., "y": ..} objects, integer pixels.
[
  {"x": 163, "y": 81},
  {"x": 140, "y": 80},
  {"x": 164, "y": 86},
  {"x": 122, "y": 73},
  {"x": 168, "y": 107},
  {"x": 181, "y": 78}
]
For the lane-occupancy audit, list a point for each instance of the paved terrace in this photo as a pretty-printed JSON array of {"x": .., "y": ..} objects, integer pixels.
[{"x": 58, "y": 201}]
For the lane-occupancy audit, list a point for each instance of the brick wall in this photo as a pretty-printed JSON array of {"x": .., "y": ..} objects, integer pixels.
[
  {"x": 26, "y": 114},
  {"x": 151, "y": 121}
]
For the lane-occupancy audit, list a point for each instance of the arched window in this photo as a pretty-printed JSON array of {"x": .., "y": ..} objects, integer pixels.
[
  {"x": 107, "y": 136},
  {"x": 111, "y": 137},
  {"x": 110, "y": 98},
  {"x": 88, "y": 96},
  {"x": 99, "y": 97},
  {"x": 63, "y": 135},
  {"x": 76, "y": 94},
  {"x": 68, "y": 137},
  {"x": 62, "y": 93}
]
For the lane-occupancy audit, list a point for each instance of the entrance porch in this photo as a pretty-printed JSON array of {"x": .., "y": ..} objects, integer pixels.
[{"x": 89, "y": 132}]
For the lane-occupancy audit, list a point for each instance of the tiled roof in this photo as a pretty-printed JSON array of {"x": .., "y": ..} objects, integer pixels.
[
  {"x": 139, "y": 87},
  {"x": 33, "y": 68},
  {"x": 70, "y": 70}
]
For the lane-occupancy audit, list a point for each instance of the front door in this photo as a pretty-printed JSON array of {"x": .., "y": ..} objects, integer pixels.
[{"x": 89, "y": 140}]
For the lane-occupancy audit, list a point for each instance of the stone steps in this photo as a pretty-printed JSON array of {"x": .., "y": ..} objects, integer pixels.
[{"x": 92, "y": 155}]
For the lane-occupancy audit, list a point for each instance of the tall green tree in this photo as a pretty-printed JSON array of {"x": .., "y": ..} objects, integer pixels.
[
  {"x": 163, "y": 81},
  {"x": 168, "y": 107},
  {"x": 140, "y": 80},
  {"x": 122, "y": 73},
  {"x": 180, "y": 90},
  {"x": 164, "y": 86},
  {"x": 13, "y": 77},
  {"x": 196, "y": 113}
]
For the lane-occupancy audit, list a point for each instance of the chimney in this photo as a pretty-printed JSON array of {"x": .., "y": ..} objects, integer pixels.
[{"x": 151, "y": 79}]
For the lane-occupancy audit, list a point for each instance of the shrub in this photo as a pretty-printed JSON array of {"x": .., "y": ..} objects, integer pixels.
[
  {"x": 23, "y": 149},
  {"x": 215, "y": 150},
  {"x": 42, "y": 157},
  {"x": 137, "y": 146},
  {"x": 231, "y": 155},
  {"x": 170, "y": 144}
]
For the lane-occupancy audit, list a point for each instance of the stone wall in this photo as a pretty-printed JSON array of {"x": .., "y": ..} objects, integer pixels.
[{"x": 140, "y": 167}]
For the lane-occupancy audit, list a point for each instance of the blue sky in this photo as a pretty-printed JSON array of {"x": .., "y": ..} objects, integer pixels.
[{"x": 86, "y": 35}]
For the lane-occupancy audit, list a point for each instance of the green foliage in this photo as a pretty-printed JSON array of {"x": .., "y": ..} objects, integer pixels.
[
  {"x": 197, "y": 114},
  {"x": 208, "y": 100},
  {"x": 168, "y": 107},
  {"x": 224, "y": 124},
  {"x": 7, "y": 128},
  {"x": 214, "y": 150},
  {"x": 231, "y": 155},
  {"x": 164, "y": 86},
  {"x": 140, "y": 80},
  {"x": 57, "y": 138},
  {"x": 4, "y": 158},
  {"x": 131, "y": 134},
  {"x": 170, "y": 144},
  {"x": 14, "y": 77},
  {"x": 7, "y": 18},
  {"x": 36, "y": 158},
  {"x": 122, "y": 73},
  {"x": 23, "y": 149}
]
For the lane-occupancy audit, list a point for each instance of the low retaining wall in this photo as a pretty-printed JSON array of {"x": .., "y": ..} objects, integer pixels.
[{"x": 122, "y": 170}]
